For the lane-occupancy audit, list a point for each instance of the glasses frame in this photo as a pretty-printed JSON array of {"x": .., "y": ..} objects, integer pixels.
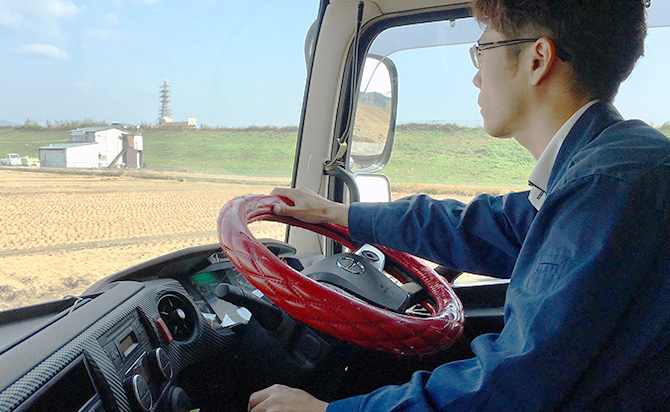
[{"x": 476, "y": 49}]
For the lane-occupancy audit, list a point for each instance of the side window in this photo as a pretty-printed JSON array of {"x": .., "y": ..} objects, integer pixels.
[
  {"x": 439, "y": 146},
  {"x": 644, "y": 94}
]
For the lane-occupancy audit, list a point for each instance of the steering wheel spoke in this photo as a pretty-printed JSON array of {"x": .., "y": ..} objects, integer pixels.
[{"x": 358, "y": 276}]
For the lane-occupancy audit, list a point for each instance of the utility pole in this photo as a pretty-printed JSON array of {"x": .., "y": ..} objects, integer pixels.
[{"x": 164, "y": 112}]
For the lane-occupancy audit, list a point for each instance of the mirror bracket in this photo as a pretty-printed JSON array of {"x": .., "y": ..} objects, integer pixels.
[
  {"x": 338, "y": 159},
  {"x": 341, "y": 173}
]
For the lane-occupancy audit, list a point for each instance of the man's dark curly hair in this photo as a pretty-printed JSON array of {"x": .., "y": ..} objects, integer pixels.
[{"x": 601, "y": 39}]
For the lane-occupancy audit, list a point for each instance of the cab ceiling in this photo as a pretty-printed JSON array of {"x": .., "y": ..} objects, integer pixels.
[{"x": 394, "y": 6}]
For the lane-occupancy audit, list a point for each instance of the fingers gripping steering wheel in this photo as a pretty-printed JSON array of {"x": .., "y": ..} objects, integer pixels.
[{"x": 345, "y": 317}]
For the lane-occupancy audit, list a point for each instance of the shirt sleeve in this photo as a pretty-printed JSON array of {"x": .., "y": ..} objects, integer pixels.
[
  {"x": 585, "y": 272},
  {"x": 482, "y": 237}
]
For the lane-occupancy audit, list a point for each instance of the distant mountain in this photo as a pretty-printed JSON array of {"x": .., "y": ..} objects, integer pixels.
[{"x": 7, "y": 123}]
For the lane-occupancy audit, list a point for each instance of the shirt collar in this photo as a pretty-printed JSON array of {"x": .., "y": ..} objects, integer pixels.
[{"x": 539, "y": 177}]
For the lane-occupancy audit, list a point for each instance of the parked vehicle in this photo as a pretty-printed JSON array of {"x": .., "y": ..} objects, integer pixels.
[
  {"x": 30, "y": 161},
  {"x": 12, "y": 159}
]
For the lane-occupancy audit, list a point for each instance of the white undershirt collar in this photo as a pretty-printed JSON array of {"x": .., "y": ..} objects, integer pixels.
[{"x": 539, "y": 177}]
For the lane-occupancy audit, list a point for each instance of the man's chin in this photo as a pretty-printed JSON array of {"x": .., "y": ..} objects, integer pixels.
[{"x": 497, "y": 132}]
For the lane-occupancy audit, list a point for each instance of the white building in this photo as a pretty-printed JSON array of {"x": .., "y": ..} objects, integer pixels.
[
  {"x": 70, "y": 155},
  {"x": 95, "y": 147}
]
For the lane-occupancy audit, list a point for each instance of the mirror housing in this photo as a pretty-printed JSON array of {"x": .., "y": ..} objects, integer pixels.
[{"x": 376, "y": 111}]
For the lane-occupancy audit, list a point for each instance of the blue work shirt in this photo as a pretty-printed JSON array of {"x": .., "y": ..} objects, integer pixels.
[{"x": 587, "y": 310}]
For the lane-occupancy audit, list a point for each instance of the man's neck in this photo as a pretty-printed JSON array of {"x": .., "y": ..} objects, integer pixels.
[{"x": 544, "y": 122}]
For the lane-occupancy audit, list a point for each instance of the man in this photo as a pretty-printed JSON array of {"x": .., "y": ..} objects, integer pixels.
[{"x": 587, "y": 319}]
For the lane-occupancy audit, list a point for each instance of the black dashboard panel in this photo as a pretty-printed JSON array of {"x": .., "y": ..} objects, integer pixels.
[
  {"x": 112, "y": 331},
  {"x": 72, "y": 389},
  {"x": 124, "y": 341}
]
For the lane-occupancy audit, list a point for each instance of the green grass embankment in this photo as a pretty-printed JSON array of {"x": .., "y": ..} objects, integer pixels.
[
  {"x": 450, "y": 153},
  {"x": 27, "y": 142},
  {"x": 427, "y": 154},
  {"x": 251, "y": 152}
]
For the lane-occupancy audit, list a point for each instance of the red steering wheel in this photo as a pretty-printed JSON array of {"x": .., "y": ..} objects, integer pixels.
[{"x": 344, "y": 317}]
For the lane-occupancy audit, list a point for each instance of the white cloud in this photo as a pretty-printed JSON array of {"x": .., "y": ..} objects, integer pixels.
[
  {"x": 8, "y": 16},
  {"x": 44, "y": 50},
  {"x": 60, "y": 9},
  {"x": 147, "y": 2},
  {"x": 17, "y": 14}
]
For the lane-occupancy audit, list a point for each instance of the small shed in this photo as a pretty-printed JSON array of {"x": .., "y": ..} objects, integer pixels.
[{"x": 70, "y": 155}]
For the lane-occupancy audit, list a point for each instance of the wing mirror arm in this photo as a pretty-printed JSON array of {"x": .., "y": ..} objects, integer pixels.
[{"x": 338, "y": 171}]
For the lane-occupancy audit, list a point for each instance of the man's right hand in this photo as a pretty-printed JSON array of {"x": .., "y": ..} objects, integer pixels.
[{"x": 310, "y": 207}]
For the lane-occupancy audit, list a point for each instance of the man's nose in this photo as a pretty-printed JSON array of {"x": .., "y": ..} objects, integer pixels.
[{"x": 477, "y": 80}]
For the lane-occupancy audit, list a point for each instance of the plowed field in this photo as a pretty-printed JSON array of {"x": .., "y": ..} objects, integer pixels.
[{"x": 60, "y": 233}]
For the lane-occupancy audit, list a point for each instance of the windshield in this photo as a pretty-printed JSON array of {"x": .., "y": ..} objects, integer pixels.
[{"x": 135, "y": 121}]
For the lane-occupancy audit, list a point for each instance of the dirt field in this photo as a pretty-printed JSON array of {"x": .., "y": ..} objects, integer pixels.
[{"x": 60, "y": 233}]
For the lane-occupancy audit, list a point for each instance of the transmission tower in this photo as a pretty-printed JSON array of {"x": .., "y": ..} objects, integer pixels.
[{"x": 165, "y": 113}]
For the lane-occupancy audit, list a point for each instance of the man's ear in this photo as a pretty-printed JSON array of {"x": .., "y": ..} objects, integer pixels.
[{"x": 543, "y": 55}]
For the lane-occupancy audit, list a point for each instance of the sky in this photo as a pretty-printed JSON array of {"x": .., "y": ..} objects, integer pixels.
[
  {"x": 231, "y": 63},
  {"x": 228, "y": 63}
]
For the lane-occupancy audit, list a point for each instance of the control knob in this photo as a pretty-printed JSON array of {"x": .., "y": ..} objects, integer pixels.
[
  {"x": 161, "y": 363},
  {"x": 138, "y": 392}
]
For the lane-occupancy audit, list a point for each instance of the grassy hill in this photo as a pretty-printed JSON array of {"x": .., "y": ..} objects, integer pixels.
[
  {"x": 455, "y": 154},
  {"x": 27, "y": 142},
  {"x": 422, "y": 153},
  {"x": 254, "y": 151}
]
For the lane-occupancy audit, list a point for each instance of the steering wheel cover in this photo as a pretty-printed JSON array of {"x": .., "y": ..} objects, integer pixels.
[{"x": 347, "y": 318}]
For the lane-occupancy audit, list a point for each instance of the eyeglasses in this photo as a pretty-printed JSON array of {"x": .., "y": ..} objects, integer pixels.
[{"x": 475, "y": 51}]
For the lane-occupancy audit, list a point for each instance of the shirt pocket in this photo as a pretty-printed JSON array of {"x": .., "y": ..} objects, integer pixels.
[{"x": 545, "y": 273}]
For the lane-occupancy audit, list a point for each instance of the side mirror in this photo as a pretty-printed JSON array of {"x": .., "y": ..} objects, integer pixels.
[
  {"x": 373, "y": 187},
  {"x": 374, "y": 125},
  {"x": 310, "y": 41}
]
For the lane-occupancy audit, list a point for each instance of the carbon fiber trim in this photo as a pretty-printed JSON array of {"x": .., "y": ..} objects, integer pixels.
[{"x": 205, "y": 342}]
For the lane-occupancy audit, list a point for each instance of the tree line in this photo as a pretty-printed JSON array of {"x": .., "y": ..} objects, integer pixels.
[{"x": 66, "y": 125}]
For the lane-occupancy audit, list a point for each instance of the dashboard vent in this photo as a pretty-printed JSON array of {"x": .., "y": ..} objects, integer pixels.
[{"x": 179, "y": 315}]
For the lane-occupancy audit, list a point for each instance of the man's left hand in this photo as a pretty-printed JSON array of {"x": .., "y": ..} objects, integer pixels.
[{"x": 280, "y": 398}]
